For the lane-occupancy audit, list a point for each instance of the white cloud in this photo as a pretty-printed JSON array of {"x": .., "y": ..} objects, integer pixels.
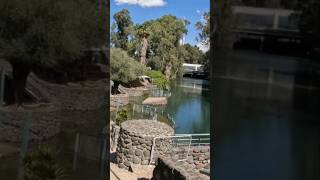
[
  {"x": 142, "y": 3},
  {"x": 203, "y": 47}
]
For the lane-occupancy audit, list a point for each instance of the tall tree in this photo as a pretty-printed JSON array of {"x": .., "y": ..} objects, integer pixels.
[
  {"x": 121, "y": 29},
  {"x": 165, "y": 34},
  {"x": 46, "y": 33},
  {"x": 204, "y": 27},
  {"x": 143, "y": 34}
]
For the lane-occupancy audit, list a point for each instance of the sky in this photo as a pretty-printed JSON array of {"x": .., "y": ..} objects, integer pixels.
[{"x": 143, "y": 10}]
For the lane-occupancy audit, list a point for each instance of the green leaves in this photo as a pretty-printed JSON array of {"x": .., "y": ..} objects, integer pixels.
[
  {"x": 123, "y": 68},
  {"x": 49, "y": 32},
  {"x": 159, "y": 79},
  {"x": 121, "y": 116},
  {"x": 43, "y": 163}
]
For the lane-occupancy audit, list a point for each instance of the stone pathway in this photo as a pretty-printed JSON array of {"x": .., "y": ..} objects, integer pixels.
[
  {"x": 122, "y": 174},
  {"x": 7, "y": 150}
]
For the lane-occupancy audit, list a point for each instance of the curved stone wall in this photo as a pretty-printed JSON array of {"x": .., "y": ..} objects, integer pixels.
[{"x": 135, "y": 141}]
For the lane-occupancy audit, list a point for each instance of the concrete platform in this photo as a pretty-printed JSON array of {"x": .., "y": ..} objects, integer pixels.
[{"x": 155, "y": 101}]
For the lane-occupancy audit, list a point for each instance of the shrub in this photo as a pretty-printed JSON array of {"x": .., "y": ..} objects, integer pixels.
[
  {"x": 159, "y": 79},
  {"x": 123, "y": 68},
  {"x": 43, "y": 163},
  {"x": 121, "y": 116}
]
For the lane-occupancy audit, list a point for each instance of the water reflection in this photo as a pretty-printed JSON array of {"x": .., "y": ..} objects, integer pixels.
[
  {"x": 265, "y": 130},
  {"x": 190, "y": 106}
]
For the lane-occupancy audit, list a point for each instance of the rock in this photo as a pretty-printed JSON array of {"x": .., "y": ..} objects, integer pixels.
[
  {"x": 127, "y": 140},
  {"x": 127, "y": 163},
  {"x": 131, "y": 152},
  {"x": 200, "y": 166},
  {"x": 138, "y": 153},
  {"x": 146, "y": 153},
  {"x": 175, "y": 158},
  {"x": 136, "y": 160},
  {"x": 145, "y": 162},
  {"x": 207, "y": 166},
  {"x": 122, "y": 166},
  {"x": 142, "y": 141},
  {"x": 204, "y": 149},
  {"x": 190, "y": 160},
  {"x": 196, "y": 150}
]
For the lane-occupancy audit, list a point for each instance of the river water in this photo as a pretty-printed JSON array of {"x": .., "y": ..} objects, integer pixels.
[
  {"x": 266, "y": 117},
  {"x": 189, "y": 105}
]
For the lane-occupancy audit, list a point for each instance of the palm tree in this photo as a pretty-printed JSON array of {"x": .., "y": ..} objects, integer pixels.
[{"x": 143, "y": 35}]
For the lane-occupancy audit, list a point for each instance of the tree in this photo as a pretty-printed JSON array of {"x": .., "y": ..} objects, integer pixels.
[
  {"x": 143, "y": 34},
  {"x": 121, "y": 29},
  {"x": 204, "y": 27},
  {"x": 123, "y": 68},
  {"x": 165, "y": 34},
  {"x": 46, "y": 33}
]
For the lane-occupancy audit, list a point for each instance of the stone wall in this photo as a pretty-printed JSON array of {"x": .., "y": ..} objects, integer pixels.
[
  {"x": 80, "y": 96},
  {"x": 170, "y": 169},
  {"x": 45, "y": 123},
  {"x": 122, "y": 98},
  {"x": 135, "y": 141},
  {"x": 199, "y": 156}
]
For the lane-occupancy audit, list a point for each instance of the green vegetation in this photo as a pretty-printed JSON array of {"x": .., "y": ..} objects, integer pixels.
[
  {"x": 47, "y": 33},
  {"x": 121, "y": 29},
  {"x": 121, "y": 116},
  {"x": 123, "y": 68},
  {"x": 156, "y": 43},
  {"x": 43, "y": 163},
  {"x": 159, "y": 79}
]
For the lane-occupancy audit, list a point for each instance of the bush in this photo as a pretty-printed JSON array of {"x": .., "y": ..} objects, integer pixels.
[
  {"x": 159, "y": 79},
  {"x": 121, "y": 116},
  {"x": 123, "y": 68},
  {"x": 43, "y": 163}
]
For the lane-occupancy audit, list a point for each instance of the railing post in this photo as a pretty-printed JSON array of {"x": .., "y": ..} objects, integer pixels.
[
  {"x": 103, "y": 157},
  {"x": 76, "y": 151},
  {"x": 24, "y": 145},
  {"x": 2, "y": 84}
]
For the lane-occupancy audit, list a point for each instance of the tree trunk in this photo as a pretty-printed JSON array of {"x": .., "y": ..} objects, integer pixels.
[
  {"x": 168, "y": 70},
  {"x": 20, "y": 74},
  {"x": 143, "y": 51}
]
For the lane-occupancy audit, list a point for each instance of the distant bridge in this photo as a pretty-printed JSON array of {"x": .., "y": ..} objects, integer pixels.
[
  {"x": 194, "y": 71},
  {"x": 192, "y": 67}
]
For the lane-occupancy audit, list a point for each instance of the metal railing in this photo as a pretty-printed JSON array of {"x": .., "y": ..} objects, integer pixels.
[
  {"x": 198, "y": 139},
  {"x": 165, "y": 145}
]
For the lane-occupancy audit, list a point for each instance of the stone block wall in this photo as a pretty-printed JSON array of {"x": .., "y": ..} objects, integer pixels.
[
  {"x": 122, "y": 98},
  {"x": 170, "y": 169},
  {"x": 45, "y": 123},
  {"x": 136, "y": 139}
]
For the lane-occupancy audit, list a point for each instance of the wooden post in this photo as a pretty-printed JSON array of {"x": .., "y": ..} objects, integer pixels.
[
  {"x": 2, "y": 84},
  {"x": 76, "y": 151}
]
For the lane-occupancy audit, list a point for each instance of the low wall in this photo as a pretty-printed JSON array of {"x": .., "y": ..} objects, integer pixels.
[
  {"x": 122, "y": 98},
  {"x": 45, "y": 123},
  {"x": 88, "y": 96},
  {"x": 135, "y": 141},
  {"x": 170, "y": 169}
]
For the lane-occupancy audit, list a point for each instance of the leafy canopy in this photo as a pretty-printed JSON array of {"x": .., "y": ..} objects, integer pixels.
[{"x": 123, "y": 68}]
